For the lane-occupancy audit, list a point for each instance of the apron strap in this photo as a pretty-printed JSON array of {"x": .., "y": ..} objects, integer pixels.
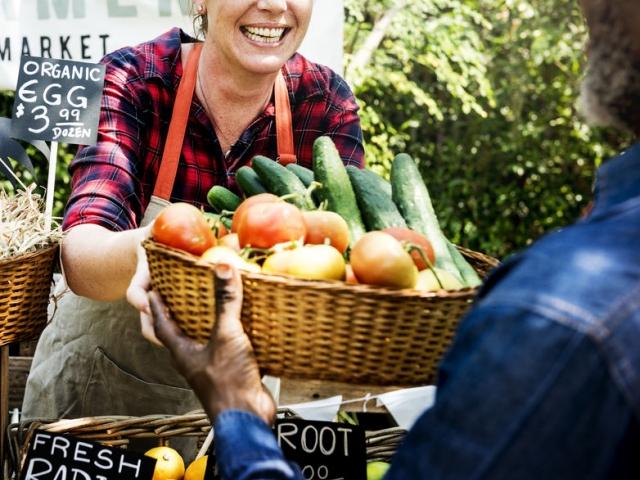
[
  {"x": 284, "y": 126},
  {"x": 178, "y": 126},
  {"x": 180, "y": 115}
]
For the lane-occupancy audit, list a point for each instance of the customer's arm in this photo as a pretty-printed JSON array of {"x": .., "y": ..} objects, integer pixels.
[
  {"x": 225, "y": 377},
  {"x": 519, "y": 396}
]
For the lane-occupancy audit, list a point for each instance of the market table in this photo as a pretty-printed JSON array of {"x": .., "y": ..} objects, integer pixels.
[{"x": 293, "y": 391}]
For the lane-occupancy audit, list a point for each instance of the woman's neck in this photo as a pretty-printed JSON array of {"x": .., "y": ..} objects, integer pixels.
[
  {"x": 227, "y": 84},
  {"x": 232, "y": 98}
]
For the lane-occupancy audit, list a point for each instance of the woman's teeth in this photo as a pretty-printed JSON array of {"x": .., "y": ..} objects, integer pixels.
[{"x": 263, "y": 35}]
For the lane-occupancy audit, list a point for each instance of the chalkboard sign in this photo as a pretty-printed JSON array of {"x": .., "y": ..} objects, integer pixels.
[
  {"x": 52, "y": 456},
  {"x": 57, "y": 100},
  {"x": 323, "y": 450}
]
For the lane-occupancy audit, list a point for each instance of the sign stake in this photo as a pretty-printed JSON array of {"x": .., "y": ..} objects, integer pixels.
[{"x": 51, "y": 181}]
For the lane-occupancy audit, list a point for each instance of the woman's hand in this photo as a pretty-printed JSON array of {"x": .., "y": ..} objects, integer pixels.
[
  {"x": 223, "y": 373},
  {"x": 137, "y": 292}
]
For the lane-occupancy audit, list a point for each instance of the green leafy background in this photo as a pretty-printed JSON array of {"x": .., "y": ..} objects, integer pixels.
[{"x": 482, "y": 94}]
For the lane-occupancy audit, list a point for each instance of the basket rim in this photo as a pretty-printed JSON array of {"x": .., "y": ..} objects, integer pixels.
[
  {"x": 291, "y": 281},
  {"x": 40, "y": 250}
]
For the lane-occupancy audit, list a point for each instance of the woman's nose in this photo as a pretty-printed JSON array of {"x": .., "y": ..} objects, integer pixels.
[{"x": 273, "y": 5}]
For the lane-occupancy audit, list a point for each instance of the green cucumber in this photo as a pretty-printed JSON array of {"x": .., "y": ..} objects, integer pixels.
[
  {"x": 383, "y": 184},
  {"x": 336, "y": 188},
  {"x": 249, "y": 182},
  {"x": 410, "y": 194},
  {"x": 221, "y": 199},
  {"x": 303, "y": 173},
  {"x": 377, "y": 209},
  {"x": 468, "y": 274},
  {"x": 281, "y": 181}
]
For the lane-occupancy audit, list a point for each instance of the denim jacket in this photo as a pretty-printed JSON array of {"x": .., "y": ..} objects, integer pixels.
[{"x": 543, "y": 378}]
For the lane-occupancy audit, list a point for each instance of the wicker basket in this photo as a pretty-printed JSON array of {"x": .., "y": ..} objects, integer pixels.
[
  {"x": 25, "y": 283},
  {"x": 324, "y": 330},
  {"x": 117, "y": 431}
]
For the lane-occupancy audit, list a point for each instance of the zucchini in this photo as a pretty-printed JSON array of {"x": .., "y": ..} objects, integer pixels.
[
  {"x": 281, "y": 181},
  {"x": 377, "y": 209},
  {"x": 336, "y": 189},
  {"x": 249, "y": 182},
  {"x": 410, "y": 194},
  {"x": 221, "y": 199},
  {"x": 468, "y": 274}
]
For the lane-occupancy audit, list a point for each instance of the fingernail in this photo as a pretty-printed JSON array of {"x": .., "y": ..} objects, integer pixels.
[{"x": 223, "y": 271}]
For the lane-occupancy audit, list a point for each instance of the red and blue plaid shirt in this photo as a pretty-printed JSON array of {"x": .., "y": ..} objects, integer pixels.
[{"x": 113, "y": 180}]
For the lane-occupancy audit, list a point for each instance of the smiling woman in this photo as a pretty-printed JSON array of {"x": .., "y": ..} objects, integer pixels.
[
  {"x": 247, "y": 44},
  {"x": 160, "y": 143}
]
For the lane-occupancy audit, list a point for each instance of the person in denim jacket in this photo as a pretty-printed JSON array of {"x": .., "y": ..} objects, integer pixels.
[{"x": 543, "y": 378}]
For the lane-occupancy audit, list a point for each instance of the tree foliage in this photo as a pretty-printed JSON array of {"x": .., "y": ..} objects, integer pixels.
[{"x": 482, "y": 94}]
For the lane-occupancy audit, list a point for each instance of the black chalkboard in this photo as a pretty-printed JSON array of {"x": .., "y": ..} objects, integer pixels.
[
  {"x": 57, "y": 100},
  {"x": 62, "y": 457},
  {"x": 323, "y": 450}
]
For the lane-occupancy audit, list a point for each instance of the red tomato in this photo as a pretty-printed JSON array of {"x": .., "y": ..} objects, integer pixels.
[
  {"x": 322, "y": 225},
  {"x": 411, "y": 237},
  {"x": 379, "y": 259},
  {"x": 239, "y": 213},
  {"x": 263, "y": 225},
  {"x": 183, "y": 226}
]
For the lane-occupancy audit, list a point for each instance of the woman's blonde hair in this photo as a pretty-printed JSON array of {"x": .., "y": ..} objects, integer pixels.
[{"x": 199, "y": 22}]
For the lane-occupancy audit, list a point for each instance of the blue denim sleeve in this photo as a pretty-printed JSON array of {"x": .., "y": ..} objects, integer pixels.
[
  {"x": 246, "y": 448},
  {"x": 519, "y": 396}
]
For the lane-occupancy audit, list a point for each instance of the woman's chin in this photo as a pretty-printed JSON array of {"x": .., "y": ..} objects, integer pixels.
[{"x": 264, "y": 64}]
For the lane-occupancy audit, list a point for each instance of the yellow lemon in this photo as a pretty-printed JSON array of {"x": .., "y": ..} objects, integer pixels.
[
  {"x": 169, "y": 465},
  {"x": 196, "y": 469}
]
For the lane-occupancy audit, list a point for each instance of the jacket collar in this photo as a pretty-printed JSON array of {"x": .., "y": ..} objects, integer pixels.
[{"x": 618, "y": 180}]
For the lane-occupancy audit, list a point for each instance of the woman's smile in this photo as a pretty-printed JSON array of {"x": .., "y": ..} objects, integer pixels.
[{"x": 264, "y": 35}]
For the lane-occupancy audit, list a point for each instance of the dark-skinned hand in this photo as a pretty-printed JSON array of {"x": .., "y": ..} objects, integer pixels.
[{"x": 223, "y": 373}]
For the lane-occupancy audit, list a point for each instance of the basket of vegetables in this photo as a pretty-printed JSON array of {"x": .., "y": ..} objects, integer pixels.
[
  {"x": 346, "y": 277},
  {"x": 28, "y": 249}
]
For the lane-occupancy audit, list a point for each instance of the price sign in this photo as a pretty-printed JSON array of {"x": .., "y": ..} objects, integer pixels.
[
  {"x": 57, "y": 100},
  {"x": 52, "y": 456},
  {"x": 323, "y": 450}
]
